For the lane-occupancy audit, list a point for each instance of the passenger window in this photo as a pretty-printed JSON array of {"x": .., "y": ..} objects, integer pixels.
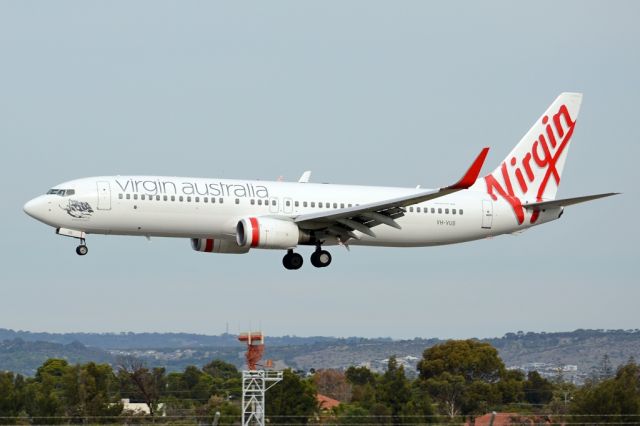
[
  {"x": 253, "y": 202},
  {"x": 120, "y": 196},
  {"x": 259, "y": 202},
  {"x": 440, "y": 211},
  {"x": 206, "y": 199},
  {"x": 188, "y": 199},
  {"x": 173, "y": 198},
  {"x": 197, "y": 199},
  {"x": 433, "y": 210},
  {"x": 350, "y": 205},
  {"x": 128, "y": 196},
  {"x": 304, "y": 204},
  {"x": 135, "y": 196},
  {"x": 335, "y": 205},
  {"x": 446, "y": 211},
  {"x": 313, "y": 204},
  {"x": 460, "y": 212},
  {"x": 181, "y": 198},
  {"x": 237, "y": 201},
  {"x": 297, "y": 204},
  {"x": 287, "y": 203},
  {"x": 418, "y": 209},
  {"x": 221, "y": 200},
  {"x": 165, "y": 198},
  {"x": 342, "y": 205},
  {"x": 453, "y": 211},
  {"x": 273, "y": 202},
  {"x": 157, "y": 198},
  {"x": 411, "y": 209},
  {"x": 142, "y": 197},
  {"x": 320, "y": 204}
]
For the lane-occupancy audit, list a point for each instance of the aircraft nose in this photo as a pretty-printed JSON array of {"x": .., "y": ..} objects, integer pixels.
[{"x": 34, "y": 208}]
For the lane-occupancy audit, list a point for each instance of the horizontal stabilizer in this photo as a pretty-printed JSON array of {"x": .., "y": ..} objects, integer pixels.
[{"x": 565, "y": 202}]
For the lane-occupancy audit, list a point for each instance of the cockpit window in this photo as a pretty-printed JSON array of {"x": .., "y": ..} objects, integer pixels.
[{"x": 61, "y": 192}]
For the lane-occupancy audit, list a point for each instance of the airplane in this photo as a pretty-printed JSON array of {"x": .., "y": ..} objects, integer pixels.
[{"x": 235, "y": 216}]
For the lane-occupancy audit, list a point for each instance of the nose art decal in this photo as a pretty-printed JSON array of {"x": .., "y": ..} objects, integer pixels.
[{"x": 77, "y": 209}]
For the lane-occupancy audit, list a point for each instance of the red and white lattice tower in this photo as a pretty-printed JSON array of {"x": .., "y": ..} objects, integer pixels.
[{"x": 255, "y": 383}]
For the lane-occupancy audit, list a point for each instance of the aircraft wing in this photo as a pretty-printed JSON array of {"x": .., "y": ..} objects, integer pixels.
[
  {"x": 342, "y": 222},
  {"x": 565, "y": 202}
]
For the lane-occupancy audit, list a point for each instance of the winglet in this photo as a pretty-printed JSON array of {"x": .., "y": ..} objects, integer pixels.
[
  {"x": 305, "y": 177},
  {"x": 470, "y": 177}
]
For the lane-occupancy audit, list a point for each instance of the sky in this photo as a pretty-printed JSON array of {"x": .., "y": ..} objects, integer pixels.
[{"x": 359, "y": 92}]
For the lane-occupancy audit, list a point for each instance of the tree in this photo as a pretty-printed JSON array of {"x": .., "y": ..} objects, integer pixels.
[
  {"x": 462, "y": 375},
  {"x": 333, "y": 383},
  {"x": 616, "y": 400},
  {"x": 141, "y": 383},
  {"x": 229, "y": 413},
  {"x": 537, "y": 389},
  {"x": 11, "y": 398},
  {"x": 219, "y": 369},
  {"x": 353, "y": 415},
  {"x": 89, "y": 392},
  {"x": 470, "y": 359},
  {"x": 43, "y": 396},
  {"x": 293, "y": 400},
  {"x": 360, "y": 376},
  {"x": 394, "y": 390}
]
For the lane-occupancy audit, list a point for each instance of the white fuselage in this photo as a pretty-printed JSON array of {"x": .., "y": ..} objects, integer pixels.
[{"x": 211, "y": 208}]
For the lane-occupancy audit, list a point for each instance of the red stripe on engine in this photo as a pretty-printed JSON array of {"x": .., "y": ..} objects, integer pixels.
[
  {"x": 255, "y": 232},
  {"x": 209, "y": 247}
]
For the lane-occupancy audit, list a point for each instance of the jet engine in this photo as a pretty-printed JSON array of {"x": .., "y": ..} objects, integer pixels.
[
  {"x": 269, "y": 233},
  {"x": 210, "y": 245}
]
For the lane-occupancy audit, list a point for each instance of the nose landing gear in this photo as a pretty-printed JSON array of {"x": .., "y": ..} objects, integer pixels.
[{"x": 82, "y": 249}]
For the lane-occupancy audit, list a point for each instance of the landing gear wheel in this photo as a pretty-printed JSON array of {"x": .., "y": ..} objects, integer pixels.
[
  {"x": 292, "y": 260},
  {"x": 321, "y": 258},
  {"x": 82, "y": 250}
]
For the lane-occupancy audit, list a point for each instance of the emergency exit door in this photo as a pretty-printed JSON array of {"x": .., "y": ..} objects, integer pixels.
[{"x": 487, "y": 214}]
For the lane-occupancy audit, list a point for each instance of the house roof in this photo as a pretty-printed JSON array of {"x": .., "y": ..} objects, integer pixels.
[{"x": 326, "y": 403}]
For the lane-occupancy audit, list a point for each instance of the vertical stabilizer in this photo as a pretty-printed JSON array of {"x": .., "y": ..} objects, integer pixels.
[{"x": 532, "y": 170}]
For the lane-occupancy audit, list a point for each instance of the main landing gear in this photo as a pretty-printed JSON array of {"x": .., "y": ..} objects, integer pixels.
[
  {"x": 292, "y": 260},
  {"x": 320, "y": 259}
]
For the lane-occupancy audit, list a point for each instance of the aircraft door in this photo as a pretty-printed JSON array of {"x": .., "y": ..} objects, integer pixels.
[
  {"x": 104, "y": 195},
  {"x": 273, "y": 205},
  {"x": 487, "y": 214}
]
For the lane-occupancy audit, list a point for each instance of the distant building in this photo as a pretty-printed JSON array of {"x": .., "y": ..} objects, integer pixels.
[{"x": 138, "y": 408}]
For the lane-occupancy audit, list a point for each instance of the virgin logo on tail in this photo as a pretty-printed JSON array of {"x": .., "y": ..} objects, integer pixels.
[{"x": 530, "y": 174}]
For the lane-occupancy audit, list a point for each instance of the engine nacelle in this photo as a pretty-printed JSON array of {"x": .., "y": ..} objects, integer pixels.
[
  {"x": 268, "y": 233},
  {"x": 210, "y": 245}
]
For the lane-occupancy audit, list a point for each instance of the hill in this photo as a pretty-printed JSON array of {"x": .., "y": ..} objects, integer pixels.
[{"x": 577, "y": 352}]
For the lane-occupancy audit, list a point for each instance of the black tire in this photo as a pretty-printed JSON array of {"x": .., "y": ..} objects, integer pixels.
[
  {"x": 296, "y": 261},
  {"x": 314, "y": 259},
  {"x": 321, "y": 258},
  {"x": 82, "y": 250},
  {"x": 286, "y": 261}
]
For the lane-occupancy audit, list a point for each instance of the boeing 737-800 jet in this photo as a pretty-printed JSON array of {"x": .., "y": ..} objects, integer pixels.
[{"x": 234, "y": 216}]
